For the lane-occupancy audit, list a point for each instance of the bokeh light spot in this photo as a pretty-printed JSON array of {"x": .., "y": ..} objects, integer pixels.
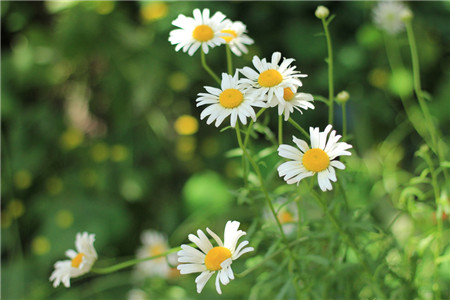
[
  {"x": 23, "y": 179},
  {"x": 186, "y": 125},
  {"x": 64, "y": 218},
  {"x": 40, "y": 245}
]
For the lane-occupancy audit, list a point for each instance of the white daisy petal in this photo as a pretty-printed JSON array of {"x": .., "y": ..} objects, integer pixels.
[
  {"x": 202, "y": 279},
  {"x": 191, "y": 268},
  {"x": 219, "y": 291}
]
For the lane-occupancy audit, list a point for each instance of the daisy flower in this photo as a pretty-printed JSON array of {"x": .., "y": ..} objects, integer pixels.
[
  {"x": 200, "y": 31},
  {"x": 154, "y": 243},
  {"x": 231, "y": 100},
  {"x": 237, "y": 39},
  {"x": 271, "y": 79},
  {"x": 213, "y": 259},
  {"x": 318, "y": 159},
  {"x": 388, "y": 16},
  {"x": 292, "y": 99},
  {"x": 80, "y": 262},
  {"x": 287, "y": 214}
]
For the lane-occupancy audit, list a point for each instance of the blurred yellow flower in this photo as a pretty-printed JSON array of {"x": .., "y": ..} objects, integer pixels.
[
  {"x": 23, "y": 179},
  {"x": 54, "y": 185},
  {"x": 100, "y": 152},
  {"x": 64, "y": 218},
  {"x": 153, "y": 11},
  {"x": 16, "y": 208},
  {"x": 119, "y": 153},
  {"x": 40, "y": 245},
  {"x": 71, "y": 138},
  {"x": 178, "y": 81},
  {"x": 186, "y": 125}
]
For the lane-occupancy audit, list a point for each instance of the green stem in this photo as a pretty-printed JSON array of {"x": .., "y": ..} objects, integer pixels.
[
  {"x": 229, "y": 60},
  {"x": 419, "y": 93},
  {"x": 263, "y": 186},
  {"x": 395, "y": 64},
  {"x": 344, "y": 121},
  {"x": 437, "y": 250},
  {"x": 347, "y": 239},
  {"x": 132, "y": 262},
  {"x": 246, "y": 139},
  {"x": 249, "y": 129},
  {"x": 417, "y": 84},
  {"x": 330, "y": 72},
  {"x": 208, "y": 69},
  {"x": 280, "y": 129},
  {"x": 266, "y": 194},
  {"x": 300, "y": 128}
]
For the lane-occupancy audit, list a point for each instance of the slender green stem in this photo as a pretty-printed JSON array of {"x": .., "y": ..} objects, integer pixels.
[
  {"x": 344, "y": 121},
  {"x": 263, "y": 186},
  {"x": 264, "y": 189},
  {"x": 300, "y": 128},
  {"x": 246, "y": 139},
  {"x": 393, "y": 59},
  {"x": 249, "y": 129},
  {"x": 330, "y": 72},
  {"x": 132, "y": 262},
  {"x": 280, "y": 129},
  {"x": 321, "y": 99},
  {"x": 437, "y": 250},
  {"x": 229, "y": 60},
  {"x": 351, "y": 243},
  {"x": 417, "y": 84},
  {"x": 433, "y": 131},
  {"x": 208, "y": 69}
]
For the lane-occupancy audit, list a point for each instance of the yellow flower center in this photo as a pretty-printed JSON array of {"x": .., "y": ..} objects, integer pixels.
[
  {"x": 285, "y": 217},
  {"x": 230, "y": 37},
  {"x": 156, "y": 249},
  {"x": 288, "y": 94},
  {"x": 215, "y": 257},
  {"x": 315, "y": 160},
  {"x": 231, "y": 98},
  {"x": 270, "y": 78},
  {"x": 76, "y": 261},
  {"x": 203, "y": 33}
]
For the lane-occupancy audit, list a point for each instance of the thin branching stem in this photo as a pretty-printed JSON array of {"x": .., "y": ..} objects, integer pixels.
[
  {"x": 330, "y": 72},
  {"x": 208, "y": 69}
]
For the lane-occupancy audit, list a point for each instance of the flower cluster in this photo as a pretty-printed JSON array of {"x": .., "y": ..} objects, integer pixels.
[
  {"x": 267, "y": 84},
  {"x": 270, "y": 84},
  {"x": 208, "y": 32}
]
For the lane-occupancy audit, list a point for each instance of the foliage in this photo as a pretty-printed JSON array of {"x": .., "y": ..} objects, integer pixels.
[{"x": 91, "y": 94}]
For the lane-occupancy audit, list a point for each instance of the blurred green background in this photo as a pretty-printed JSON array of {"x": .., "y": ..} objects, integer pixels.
[{"x": 100, "y": 132}]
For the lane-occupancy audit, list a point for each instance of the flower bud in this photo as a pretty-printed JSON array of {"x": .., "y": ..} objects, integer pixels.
[
  {"x": 342, "y": 97},
  {"x": 406, "y": 15},
  {"x": 322, "y": 12}
]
